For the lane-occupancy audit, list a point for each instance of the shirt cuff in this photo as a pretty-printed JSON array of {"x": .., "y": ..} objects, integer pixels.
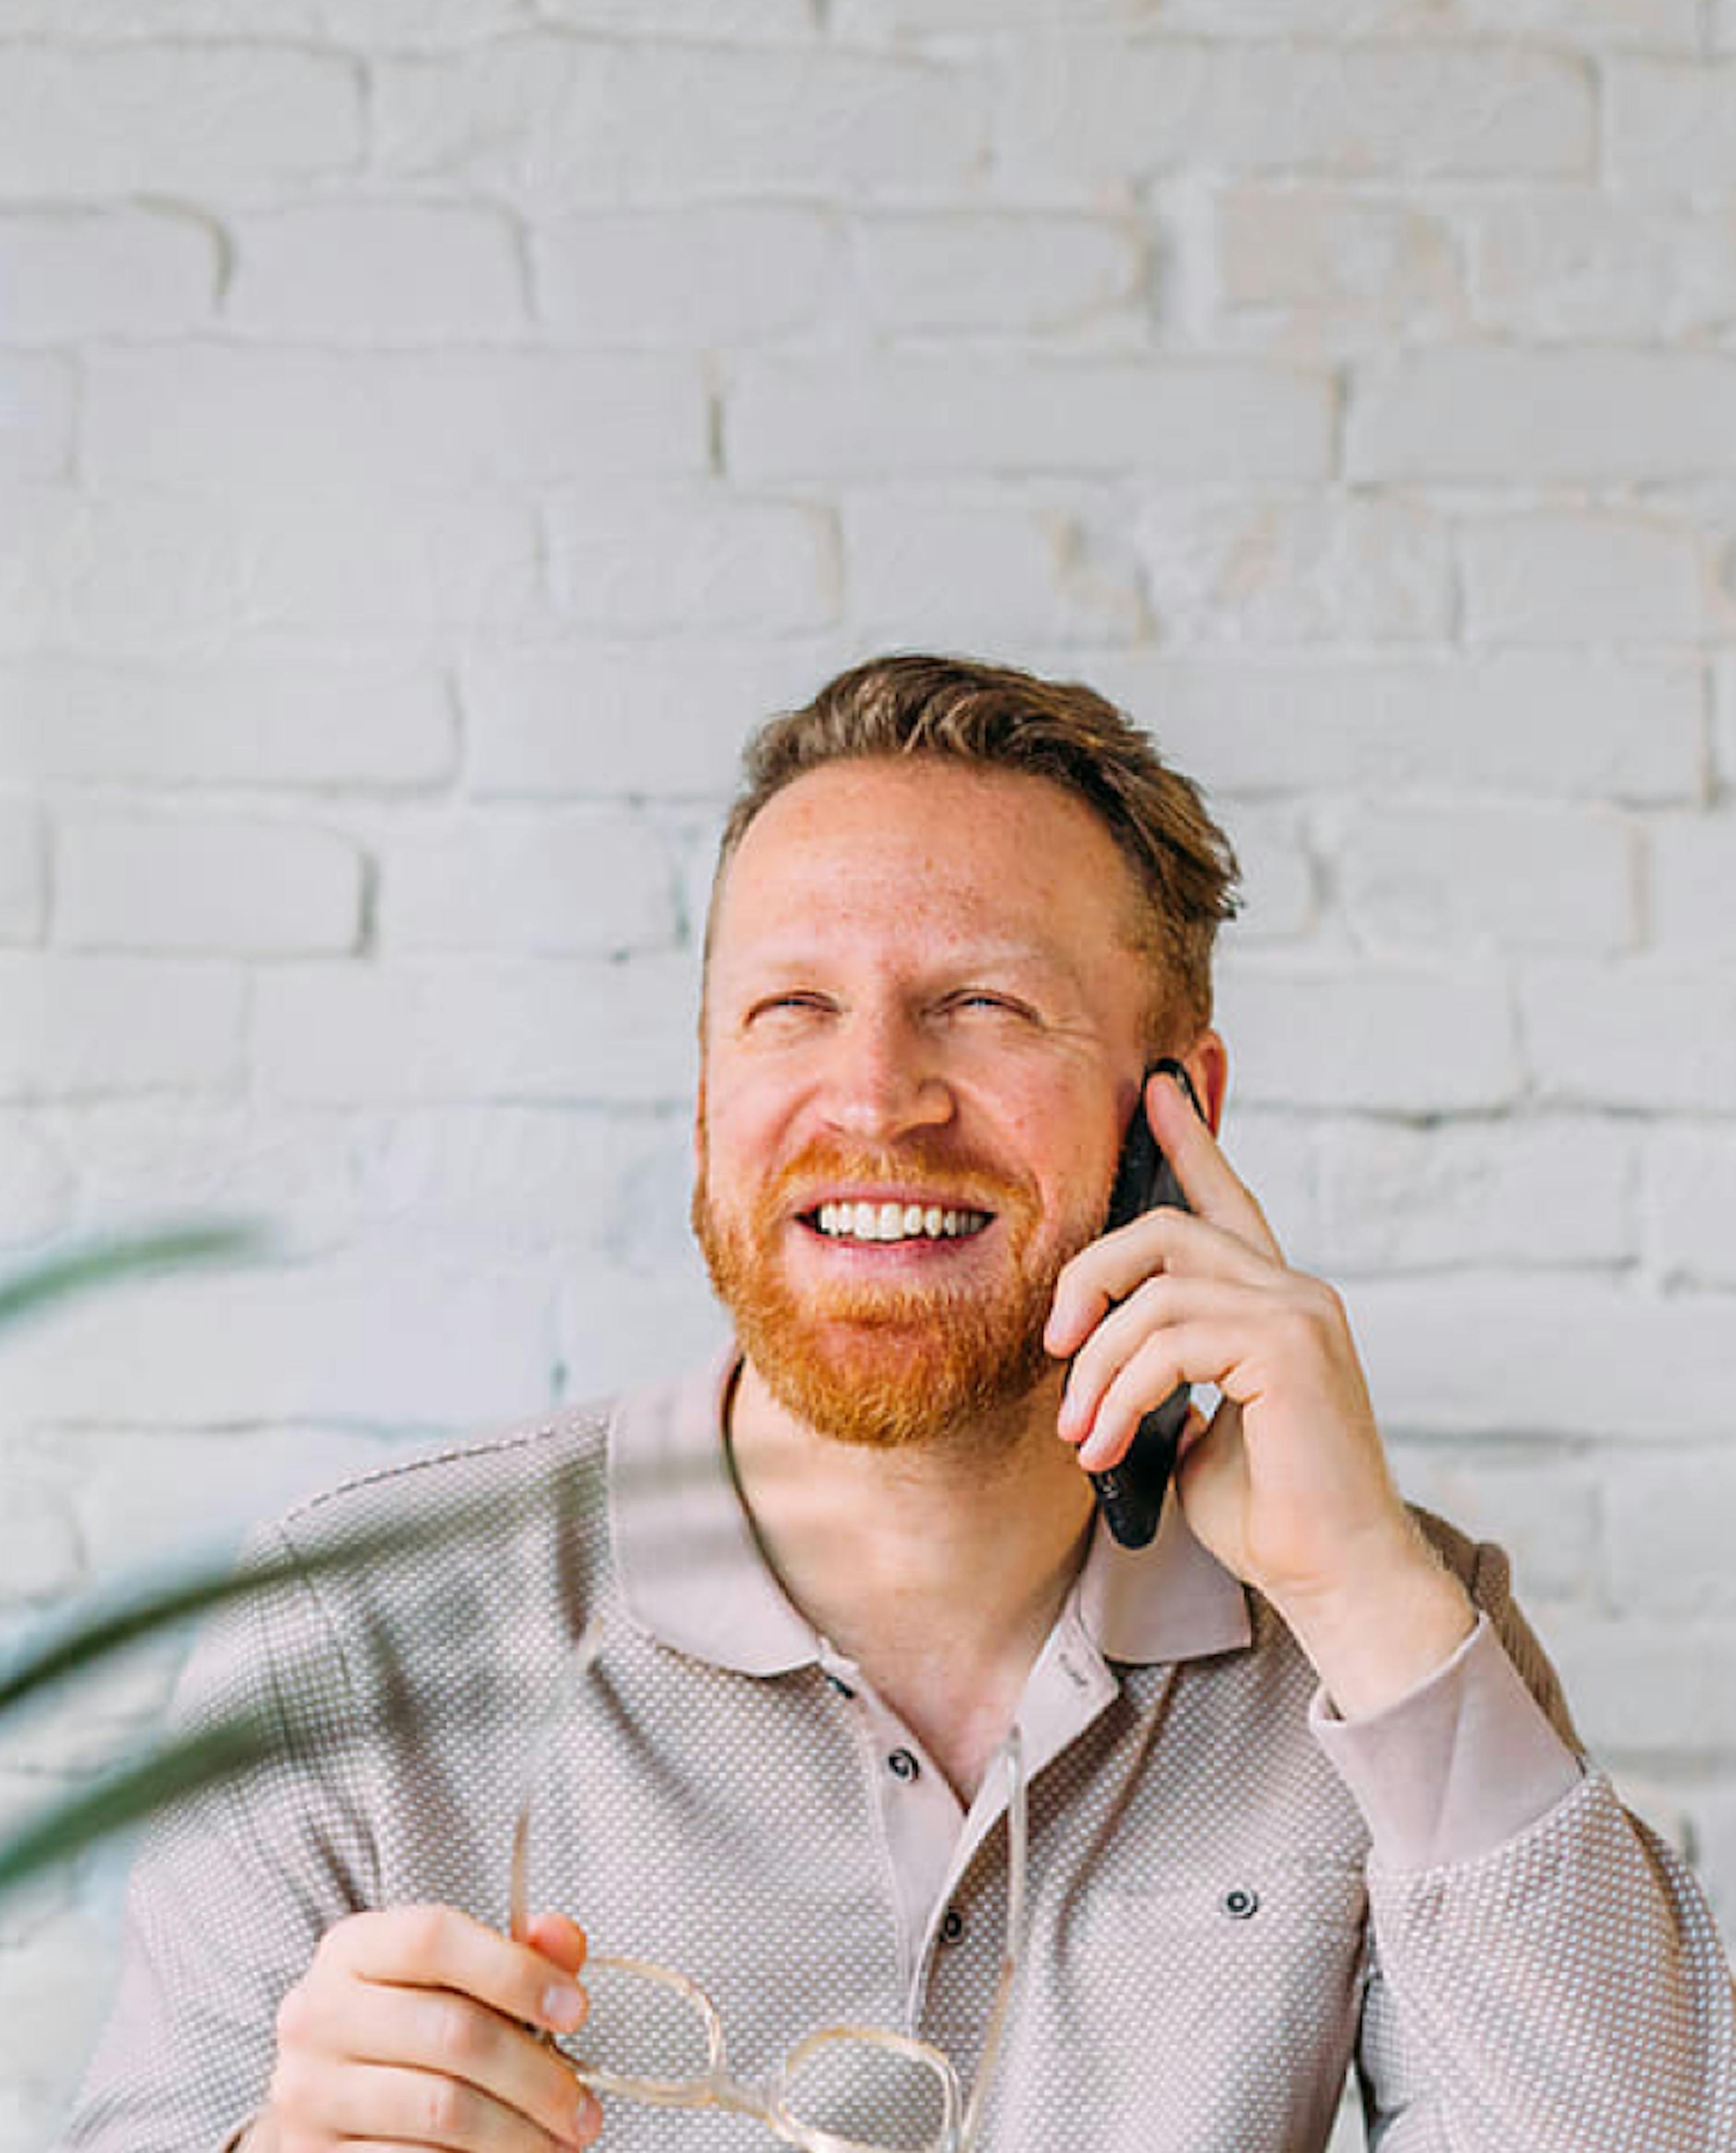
[{"x": 1456, "y": 1766}]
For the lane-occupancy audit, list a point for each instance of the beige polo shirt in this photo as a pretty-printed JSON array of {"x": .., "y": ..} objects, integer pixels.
[{"x": 1232, "y": 1894}]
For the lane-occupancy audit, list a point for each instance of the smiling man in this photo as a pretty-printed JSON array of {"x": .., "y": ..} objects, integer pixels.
[{"x": 1288, "y": 1792}]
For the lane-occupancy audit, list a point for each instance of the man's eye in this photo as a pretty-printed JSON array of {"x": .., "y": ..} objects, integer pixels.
[
  {"x": 794, "y": 1004},
  {"x": 979, "y": 1000}
]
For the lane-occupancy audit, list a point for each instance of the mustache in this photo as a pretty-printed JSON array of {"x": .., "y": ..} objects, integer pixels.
[{"x": 959, "y": 1182}]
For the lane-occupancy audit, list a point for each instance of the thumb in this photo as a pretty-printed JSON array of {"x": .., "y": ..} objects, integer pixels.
[{"x": 558, "y": 1939}]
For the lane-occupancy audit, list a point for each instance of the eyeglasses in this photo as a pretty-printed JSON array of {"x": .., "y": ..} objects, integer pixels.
[{"x": 834, "y": 2085}]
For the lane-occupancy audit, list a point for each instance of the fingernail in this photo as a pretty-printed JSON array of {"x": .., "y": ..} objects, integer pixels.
[{"x": 563, "y": 2007}]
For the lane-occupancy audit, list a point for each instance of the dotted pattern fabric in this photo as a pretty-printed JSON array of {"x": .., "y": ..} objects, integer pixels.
[{"x": 1210, "y": 1946}]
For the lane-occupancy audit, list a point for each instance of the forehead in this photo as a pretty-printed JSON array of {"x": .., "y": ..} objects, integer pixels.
[{"x": 938, "y": 852}]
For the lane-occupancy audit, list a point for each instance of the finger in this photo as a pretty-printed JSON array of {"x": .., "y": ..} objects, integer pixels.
[
  {"x": 559, "y": 1939},
  {"x": 439, "y": 2033},
  {"x": 1159, "y": 1302},
  {"x": 438, "y": 1947},
  {"x": 1183, "y": 1353},
  {"x": 408, "y": 2107},
  {"x": 1109, "y": 1270},
  {"x": 1212, "y": 1186}
]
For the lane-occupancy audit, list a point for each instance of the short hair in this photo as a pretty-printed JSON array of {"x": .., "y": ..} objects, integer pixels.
[{"x": 999, "y": 718}]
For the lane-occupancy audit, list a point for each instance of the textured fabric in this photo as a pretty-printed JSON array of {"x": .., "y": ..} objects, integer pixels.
[{"x": 1233, "y": 1895}]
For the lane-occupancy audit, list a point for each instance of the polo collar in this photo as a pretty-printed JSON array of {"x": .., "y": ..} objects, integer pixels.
[{"x": 693, "y": 1575}]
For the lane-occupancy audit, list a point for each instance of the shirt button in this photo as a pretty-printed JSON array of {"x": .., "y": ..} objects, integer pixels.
[
  {"x": 1239, "y": 1904},
  {"x": 903, "y": 1765},
  {"x": 953, "y": 1926}
]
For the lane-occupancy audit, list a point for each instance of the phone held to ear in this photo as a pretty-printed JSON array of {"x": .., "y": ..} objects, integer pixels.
[{"x": 1130, "y": 1494}]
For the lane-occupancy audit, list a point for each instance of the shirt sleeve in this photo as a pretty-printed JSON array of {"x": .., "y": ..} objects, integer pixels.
[
  {"x": 232, "y": 1890},
  {"x": 1544, "y": 1972}
]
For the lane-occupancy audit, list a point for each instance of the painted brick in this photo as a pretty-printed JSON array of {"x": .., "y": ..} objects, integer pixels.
[
  {"x": 77, "y": 273},
  {"x": 1551, "y": 726},
  {"x": 133, "y": 1482},
  {"x": 1347, "y": 268},
  {"x": 1483, "y": 877},
  {"x": 1669, "y": 1532},
  {"x": 1547, "y": 1517},
  {"x": 692, "y": 564},
  {"x": 730, "y": 274},
  {"x": 1528, "y": 1191},
  {"x": 165, "y": 120},
  {"x": 1294, "y": 568},
  {"x": 616, "y": 1333},
  {"x": 569, "y": 883},
  {"x": 1655, "y": 1034},
  {"x": 203, "y": 575},
  {"x": 40, "y": 1557},
  {"x": 1692, "y": 862},
  {"x": 348, "y": 1342},
  {"x": 604, "y": 721},
  {"x": 357, "y": 23},
  {"x": 1597, "y": 265},
  {"x": 952, "y": 570},
  {"x": 1569, "y": 579},
  {"x": 36, "y": 1183},
  {"x": 360, "y": 725},
  {"x": 1510, "y": 416},
  {"x": 1595, "y": 25},
  {"x": 575, "y": 1031},
  {"x": 24, "y": 874},
  {"x": 514, "y": 1176},
  {"x": 1027, "y": 271},
  {"x": 754, "y": 22},
  {"x": 36, "y": 416},
  {"x": 1118, "y": 109},
  {"x": 376, "y": 272},
  {"x": 1438, "y": 1041},
  {"x": 1690, "y": 1203},
  {"x": 565, "y": 120},
  {"x": 82, "y": 1026},
  {"x": 125, "y": 882},
  {"x": 1648, "y": 1688},
  {"x": 1280, "y": 901},
  {"x": 919, "y": 418},
  {"x": 45, "y": 1993},
  {"x": 169, "y": 1155},
  {"x": 1672, "y": 125},
  {"x": 438, "y": 419},
  {"x": 1574, "y": 1356}
]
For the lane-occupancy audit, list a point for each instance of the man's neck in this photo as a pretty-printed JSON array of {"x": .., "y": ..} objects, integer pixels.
[{"x": 938, "y": 1570}]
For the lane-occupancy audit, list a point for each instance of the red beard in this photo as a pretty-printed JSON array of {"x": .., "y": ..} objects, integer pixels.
[{"x": 876, "y": 1362}]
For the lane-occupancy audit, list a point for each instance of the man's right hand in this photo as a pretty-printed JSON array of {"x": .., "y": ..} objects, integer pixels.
[{"x": 410, "y": 2030}]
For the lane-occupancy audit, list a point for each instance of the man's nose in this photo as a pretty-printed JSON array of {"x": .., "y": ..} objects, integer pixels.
[{"x": 885, "y": 1078}]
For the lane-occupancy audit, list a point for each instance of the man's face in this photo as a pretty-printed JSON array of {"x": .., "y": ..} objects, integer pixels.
[{"x": 925, "y": 1029}]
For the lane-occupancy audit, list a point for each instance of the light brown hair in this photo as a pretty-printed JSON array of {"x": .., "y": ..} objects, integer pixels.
[{"x": 913, "y": 705}]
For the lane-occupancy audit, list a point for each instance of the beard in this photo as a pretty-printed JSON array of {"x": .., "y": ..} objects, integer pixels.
[{"x": 871, "y": 1361}]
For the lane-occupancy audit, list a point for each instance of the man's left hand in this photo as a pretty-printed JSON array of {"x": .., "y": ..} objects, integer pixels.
[{"x": 1288, "y": 1484}]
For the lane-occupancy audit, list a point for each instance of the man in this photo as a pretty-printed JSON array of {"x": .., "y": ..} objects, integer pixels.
[{"x": 1300, "y": 1788}]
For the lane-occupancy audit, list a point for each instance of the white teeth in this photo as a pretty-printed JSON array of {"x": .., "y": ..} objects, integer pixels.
[{"x": 897, "y": 1222}]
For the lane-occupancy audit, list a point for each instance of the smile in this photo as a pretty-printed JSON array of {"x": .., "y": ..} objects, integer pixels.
[{"x": 895, "y": 1222}]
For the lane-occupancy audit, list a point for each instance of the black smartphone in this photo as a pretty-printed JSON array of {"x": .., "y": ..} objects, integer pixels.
[{"x": 1130, "y": 1494}]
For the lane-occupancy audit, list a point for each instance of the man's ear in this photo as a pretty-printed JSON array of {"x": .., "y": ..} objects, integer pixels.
[{"x": 1207, "y": 1062}]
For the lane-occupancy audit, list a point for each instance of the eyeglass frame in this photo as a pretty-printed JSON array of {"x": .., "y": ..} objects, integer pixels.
[{"x": 718, "y": 2087}]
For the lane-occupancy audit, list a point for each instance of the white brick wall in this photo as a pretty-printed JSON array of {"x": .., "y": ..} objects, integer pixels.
[{"x": 431, "y": 433}]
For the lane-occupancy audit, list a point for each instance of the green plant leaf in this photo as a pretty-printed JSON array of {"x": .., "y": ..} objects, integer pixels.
[{"x": 80, "y": 1271}]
